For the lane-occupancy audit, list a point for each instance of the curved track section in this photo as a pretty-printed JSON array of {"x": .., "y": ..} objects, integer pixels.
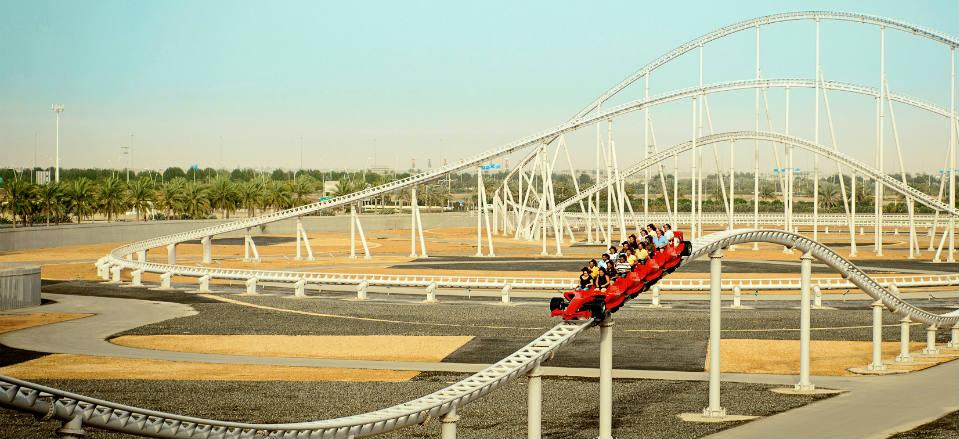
[
  {"x": 887, "y": 180},
  {"x": 50, "y": 402},
  {"x": 720, "y": 240},
  {"x": 47, "y": 401}
]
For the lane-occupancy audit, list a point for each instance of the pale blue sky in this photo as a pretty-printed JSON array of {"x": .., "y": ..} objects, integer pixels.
[{"x": 419, "y": 79}]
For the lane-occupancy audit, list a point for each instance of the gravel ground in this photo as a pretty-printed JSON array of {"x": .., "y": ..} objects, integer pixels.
[
  {"x": 642, "y": 409},
  {"x": 636, "y": 346},
  {"x": 946, "y": 427}
]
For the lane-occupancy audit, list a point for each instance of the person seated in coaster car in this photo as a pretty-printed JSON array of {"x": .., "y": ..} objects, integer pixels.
[{"x": 607, "y": 295}]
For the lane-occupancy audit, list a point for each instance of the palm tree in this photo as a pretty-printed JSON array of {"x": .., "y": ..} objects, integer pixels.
[
  {"x": 170, "y": 196},
  {"x": 301, "y": 188},
  {"x": 140, "y": 196},
  {"x": 222, "y": 195},
  {"x": 80, "y": 197},
  {"x": 249, "y": 196},
  {"x": 113, "y": 197},
  {"x": 195, "y": 203},
  {"x": 276, "y": 196},
  {"x": 51, "y": 198},
  {"x": 19, "y": 197},
  {"x": 767, "y": 191},
  {"x": 828, "y": 195}
]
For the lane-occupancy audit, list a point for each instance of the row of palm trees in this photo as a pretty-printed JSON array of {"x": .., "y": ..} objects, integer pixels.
[{"x": 29, "y": 204}]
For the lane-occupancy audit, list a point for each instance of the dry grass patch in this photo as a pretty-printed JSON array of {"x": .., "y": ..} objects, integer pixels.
[
  {"x": 86, "y": 367},
  {"x": 14, "y": 322},
  {"x": 359, "y": 347},
  {"x": 827, "y": 357}
]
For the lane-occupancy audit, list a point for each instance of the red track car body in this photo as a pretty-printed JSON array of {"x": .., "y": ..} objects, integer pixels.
[{"x": 593, "y": 303}]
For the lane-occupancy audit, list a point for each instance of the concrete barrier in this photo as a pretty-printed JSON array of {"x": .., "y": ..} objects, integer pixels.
[
  {"x": 19, "y": 286},
  {"x": 27, "y": 238}
]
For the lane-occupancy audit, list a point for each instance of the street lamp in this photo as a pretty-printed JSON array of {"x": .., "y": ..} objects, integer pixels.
[{"x": 57, "y": 108}]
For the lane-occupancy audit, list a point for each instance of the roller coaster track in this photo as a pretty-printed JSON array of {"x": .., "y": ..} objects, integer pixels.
[
  {"x": 887, "y": 180},
  {"x": 55, "y": 403}
]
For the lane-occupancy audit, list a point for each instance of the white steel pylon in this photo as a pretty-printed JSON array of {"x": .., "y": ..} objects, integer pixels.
[
  {"x": 302, "y": 239},
  {"x": 249, "y": 247},
  {"x": 416, "y": 226},
  {"x": 356, "y": 226},
  {"x": 482, "y": 211}
]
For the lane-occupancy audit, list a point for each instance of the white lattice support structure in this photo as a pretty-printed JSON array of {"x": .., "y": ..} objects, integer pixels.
[
  {"x": 357, "y": 227},
  {"x": 302, "y": 240}
]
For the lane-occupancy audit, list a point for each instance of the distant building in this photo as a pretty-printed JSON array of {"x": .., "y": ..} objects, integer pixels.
[
  {"x": 42, "y": 177},
  {"x": 330, "y": 187}
]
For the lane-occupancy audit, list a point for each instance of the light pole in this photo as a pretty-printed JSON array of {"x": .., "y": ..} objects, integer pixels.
[
  {"x": 125, "y": 150},
  {"x": 57, "y": 108}
]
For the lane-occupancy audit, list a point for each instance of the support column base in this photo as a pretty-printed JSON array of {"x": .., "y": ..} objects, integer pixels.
[
  {"x": 904, "y": 358},
  {"x": 700, "y": 417},
  {"x": 869, "y": 371},
  {"x": 813, "y": 391},
  {"x": 932, "y": 351}
]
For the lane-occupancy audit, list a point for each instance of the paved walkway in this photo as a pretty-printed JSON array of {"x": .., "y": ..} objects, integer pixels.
[{"x": 873, "y": 407}]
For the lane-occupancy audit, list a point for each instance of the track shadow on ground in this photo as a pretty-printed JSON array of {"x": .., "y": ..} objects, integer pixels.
[
  {"x": 82, "y": 288},
  {"x": 630, "y": 351},
  {"x": 260, "y": 240}
]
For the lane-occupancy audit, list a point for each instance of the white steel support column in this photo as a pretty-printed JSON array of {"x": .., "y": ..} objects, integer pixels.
[
  {"x": 301, "y": 239},
  {"x": 732, "y": 187},
  {"x": 171, "y": 254},
  {"x": 815, "y": 190},
  {"x": 788, "y": 186},
  {"x": 249, "y": 247},
  {"x": 931, "y": 348},
  {"x": 715, "y": 326},
  {"x": 357, "y": 227},
  {"x": 416, "y": 225},
  {"x": 676, "y": 188},
  {"x": 904, "y": 339},
  {"x": 646, "y": 150},
  {"x": 953, "y": 162},
  {"x": 880, "y": 146},
  {"x": 534, "y": 404},
  {"x": 448, "y": 424},
  {"x": 852, "y": 217},
  {"x": 207, "y": 249},
  {"x": 692, "y": 177},
  {"x": 877, "y": 364},
  {"x": 483, "y": 212},
  {"x": 954, "y": 339},
  {"x": 805, "y": 276},
  {"x": 136, "y": 278},
  {"x": 204, "y": 284},
  {"x": 606, "y": 379},
  {"x": 756, "y": 152}
]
